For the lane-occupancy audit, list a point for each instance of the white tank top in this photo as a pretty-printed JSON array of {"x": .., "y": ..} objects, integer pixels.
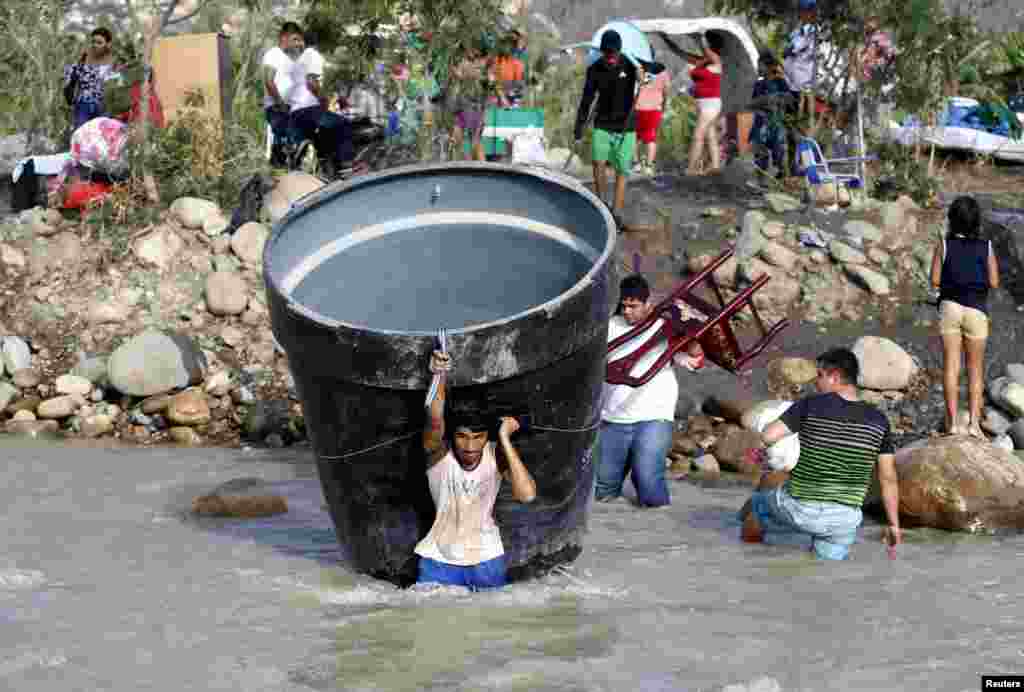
[{"x": 464, "y": 532}]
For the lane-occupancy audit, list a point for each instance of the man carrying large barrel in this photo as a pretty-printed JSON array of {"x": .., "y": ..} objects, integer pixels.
[{"x": 464, "y": 470}]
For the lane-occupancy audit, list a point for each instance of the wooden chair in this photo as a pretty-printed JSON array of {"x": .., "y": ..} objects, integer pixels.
[{"x": 715, "y": 335}]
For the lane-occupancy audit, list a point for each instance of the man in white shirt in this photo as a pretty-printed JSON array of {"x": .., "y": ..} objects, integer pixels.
[
  {"x": 278, "y": 83},
  {"x": 636, "y": 422},
  {"x": 330, "y": 133}
]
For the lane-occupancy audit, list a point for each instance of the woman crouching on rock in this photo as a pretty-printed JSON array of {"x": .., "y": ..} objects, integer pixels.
[{"x": 964, "y": 268}]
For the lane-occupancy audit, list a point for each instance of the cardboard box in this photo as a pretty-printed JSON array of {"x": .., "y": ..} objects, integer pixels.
[{"x": 193, "y": 63}]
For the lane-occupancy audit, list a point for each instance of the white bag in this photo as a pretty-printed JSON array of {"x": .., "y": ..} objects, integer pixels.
[
  {"x": 529, "y": 149},
  {"x": 783, "y": 455}
]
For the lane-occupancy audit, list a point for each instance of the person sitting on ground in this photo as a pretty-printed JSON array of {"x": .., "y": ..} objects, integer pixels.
[
  {"x": 464, "y": 471},
  {"x": 964, "y": 268},
  {"x": 842, "y": 441},
  {"x": 650, "y": 103},
  {"x": 612, "y": 80},
  {"x": 278, "y": 83},
  {"x": 636, "y": 422},
  {"x": 83, "y": 81},
  {"x": 706, "y": 72},
  {"x": 330, "y": 133}
]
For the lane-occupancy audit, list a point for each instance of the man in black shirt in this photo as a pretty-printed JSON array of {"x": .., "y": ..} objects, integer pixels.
[{"x": 612, "y": 80}]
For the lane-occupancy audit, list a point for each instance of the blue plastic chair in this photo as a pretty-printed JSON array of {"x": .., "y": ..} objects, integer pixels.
[{"x": 811, "y": 162}]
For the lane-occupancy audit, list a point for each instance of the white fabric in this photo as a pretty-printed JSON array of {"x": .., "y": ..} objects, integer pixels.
[
  {"x": 44, "y": 165},
  {"x": 655, "y": 400},
  {"x": 783, "y": 455},
  {"x": 464, "y": 532},
  {"x": 309, "y": 63},
  {"x": 278, "y": 60},
  {"x": 709, "y": 107},
  {"x": 528, "y": 149}
]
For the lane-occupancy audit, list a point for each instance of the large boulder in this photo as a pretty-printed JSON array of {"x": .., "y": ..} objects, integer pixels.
[
  {"x": 289, "y": 189},
  {"x": 248, "y": 241},
  {"x": 155, "y": 362},
  {"x": 959, "y": 484},
  {"x": 193, "y": 212},
  {"x": 159, "y": 248},
  {"x": 779, "y": 255},
  {"x": 241, "y": 498},
  {"x": 883, "y": 363},
  {"x": 794, "y": 371},
  {"x": 226, "y": 293},
  {"x": 1011, "y": 399}
]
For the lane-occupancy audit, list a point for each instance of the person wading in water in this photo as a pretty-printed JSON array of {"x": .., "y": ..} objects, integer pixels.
[{"x": 464, "y": 471}]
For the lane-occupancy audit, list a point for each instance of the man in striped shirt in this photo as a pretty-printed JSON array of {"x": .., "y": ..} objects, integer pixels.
[{"x": 841, "y": 440}]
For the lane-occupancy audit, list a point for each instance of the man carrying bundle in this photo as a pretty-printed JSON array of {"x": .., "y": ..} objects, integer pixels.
[{"x": 464, "y": 470}]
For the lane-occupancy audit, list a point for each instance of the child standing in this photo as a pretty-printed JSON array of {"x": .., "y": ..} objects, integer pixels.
[{"x": 650, "y": 104}]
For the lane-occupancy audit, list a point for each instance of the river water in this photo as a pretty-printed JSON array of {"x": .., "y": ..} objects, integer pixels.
[{"x": 105, "y": 584}]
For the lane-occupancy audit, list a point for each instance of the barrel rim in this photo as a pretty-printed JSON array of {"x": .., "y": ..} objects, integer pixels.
[{"x": 331, "y": 190}]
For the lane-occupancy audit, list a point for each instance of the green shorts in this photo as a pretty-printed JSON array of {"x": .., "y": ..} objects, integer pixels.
[{"x": 614, "y": 147}]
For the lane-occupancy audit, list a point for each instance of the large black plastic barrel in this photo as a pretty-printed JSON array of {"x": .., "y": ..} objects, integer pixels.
[{"x": 513, "y": 262}]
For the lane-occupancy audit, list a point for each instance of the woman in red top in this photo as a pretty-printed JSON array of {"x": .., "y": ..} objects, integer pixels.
[{"x": 707, "y": 89}]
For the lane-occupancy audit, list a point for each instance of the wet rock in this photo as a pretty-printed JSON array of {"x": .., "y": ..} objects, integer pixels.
[
  {"x": 863, "y": 230},
  {"x": 185, "y": 436},
  {"x": 779, "y": 255},
  {"x": 289, "y": 188},
  {"x": 1015, "y": 371},
  {"x": 844, "y": 254},
  {"x": 60, "y": 407},
  {"x": 1016, "y": 433},
  {"x": 26, "y": 378},
  {"x": 97, "y": 425},
  {"x": 159, "y": 248},
  {"x": 794, "y": 371},
  {"x": 189, "y": 408},
  {"x": 873, "y": 281},
  {"x": 155, "y": 362},
  {"x": 226, "y": 293},
  {"x": 884, "y": 364},
  {"x": 32, "y": 428},
  {"x": 959, "y": 484},
  {"x": 731, "y": 451},
  {"x": 192, "y": 212},
  {"x": 15, "y": 354},
  {"x": 248, "y": 242},
  {"x": 781, "y": 203},
  {"x": 994, "y": 422},
  {"x": 264, "y": 418},
  {"x": 25, "y": 403},
  {"x": 7, "y": 394},
  {"x": 73, "y": 384},
  {"x": 242, "y": 498}
]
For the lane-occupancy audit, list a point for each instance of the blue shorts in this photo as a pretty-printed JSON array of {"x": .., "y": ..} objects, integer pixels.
[
  {"x": 832, "y": 527},
  {"x": 486, "y": 575}
]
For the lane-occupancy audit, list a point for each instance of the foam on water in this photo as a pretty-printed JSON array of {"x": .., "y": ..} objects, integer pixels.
[{"x": 21, "y": 579}]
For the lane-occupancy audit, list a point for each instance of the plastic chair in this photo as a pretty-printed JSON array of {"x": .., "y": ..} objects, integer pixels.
[{"x": 811, "y": 162}]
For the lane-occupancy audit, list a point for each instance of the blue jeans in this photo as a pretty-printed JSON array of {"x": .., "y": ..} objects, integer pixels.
[
  {"x": 486, "y": 575},
  {"x": 832, "y": 527},
  {"x": 639, "y": 448},
  {"x": 84, "y": 111}
]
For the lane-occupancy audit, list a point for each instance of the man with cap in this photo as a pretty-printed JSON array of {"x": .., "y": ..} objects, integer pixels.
[{"x": 612, "y": 81}]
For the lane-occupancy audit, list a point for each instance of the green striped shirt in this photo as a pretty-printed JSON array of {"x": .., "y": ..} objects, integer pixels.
[{"x": 840, "y": 442}]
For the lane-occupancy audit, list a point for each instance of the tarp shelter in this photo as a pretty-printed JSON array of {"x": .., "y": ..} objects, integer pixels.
[{"x": 739, "y": 53}]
